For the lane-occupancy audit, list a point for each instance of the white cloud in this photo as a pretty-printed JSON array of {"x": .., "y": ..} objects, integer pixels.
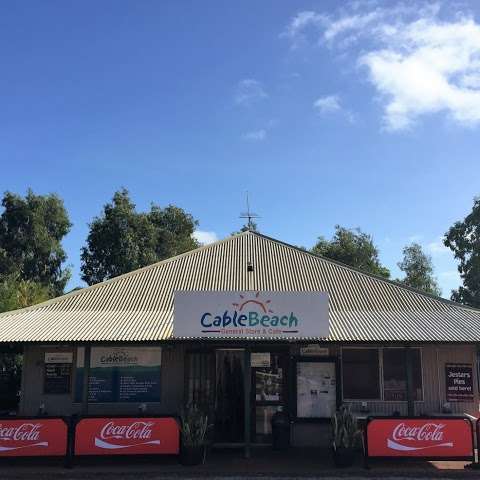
[
  {"x": 327, "y": 104},
  {"x": 437, "y": 247},
  {"x": 419, "y": 63},
  {"x": 331, "y": 104},
  {"x": 249, "y": 91},
  {"x": 255, "y": 135},
  {"x": 204, "y": 237}
]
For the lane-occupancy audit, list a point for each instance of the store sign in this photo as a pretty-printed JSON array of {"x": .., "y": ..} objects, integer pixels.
[
  {"x": 251, "y": 314},
  {"x": 59, "y": 357},
  {"x": 33, "y": 438},
  {"x": 422, "y": 437},
  {"x": 130, "y": 374},
  {"x": 127, "y": 436},
  {"x": 459, "y": 382},
  {"x": 314, "y": 350}
]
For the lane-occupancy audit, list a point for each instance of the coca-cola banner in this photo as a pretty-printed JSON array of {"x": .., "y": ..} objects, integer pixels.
[
  {"x": 420, "y": 437},
  {"x": 33, "y": 437},
  {"x": 127, "y": 436}
]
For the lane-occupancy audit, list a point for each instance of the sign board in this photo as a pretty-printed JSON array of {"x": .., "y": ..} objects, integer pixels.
[
  {"x": 33, "y": 437},
  {"x": 313, "y": 350},
  {"x": 127, "y": 436},
  {"x": 260, "y": 360},
  {"x": 124, "y": 374},
  {"x": 58, "y": 372},
  {"x": 448, "y": 438},
  {"x": 459, "y": 382},
  {"x": 59, "y": 357},
  {"x": 251, "y": 314}
]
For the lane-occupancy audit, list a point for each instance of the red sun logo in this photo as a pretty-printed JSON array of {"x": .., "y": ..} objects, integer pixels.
[{"x": 263, "y": 304}]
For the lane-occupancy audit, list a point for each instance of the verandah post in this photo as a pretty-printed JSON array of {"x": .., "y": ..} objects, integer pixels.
[{"x": 247, "y": 390}]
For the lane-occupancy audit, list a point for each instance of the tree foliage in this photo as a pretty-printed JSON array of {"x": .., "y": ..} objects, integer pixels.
[
  {"x": 418, "y": 269},
  {"x": 122, "y": 239},
  {"x": 31, "y": 232},
  {"x": 18, "y": 293},
  {"x": 463, "y": 238},
  {"x": 352, "y": 247}
]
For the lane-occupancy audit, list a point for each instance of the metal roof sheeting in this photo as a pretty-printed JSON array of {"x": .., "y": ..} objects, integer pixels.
[{"x": 138, "y": 306}]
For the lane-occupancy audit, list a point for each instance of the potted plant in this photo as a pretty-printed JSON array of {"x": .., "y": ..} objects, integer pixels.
[
  {"x": 345, "y": 433},
  {"x": 193, "y": 427}
]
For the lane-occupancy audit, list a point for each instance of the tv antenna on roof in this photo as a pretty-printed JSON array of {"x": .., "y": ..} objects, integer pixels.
[{"x": 249, "y": 216}]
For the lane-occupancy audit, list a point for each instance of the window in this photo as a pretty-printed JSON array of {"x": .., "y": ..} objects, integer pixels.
[
  {"x": 361, "y": 373},
  {"x": 395, "y": 374}
]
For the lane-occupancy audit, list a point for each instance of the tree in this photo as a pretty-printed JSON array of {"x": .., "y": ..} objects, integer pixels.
[
  {"x": 463, "y": 238},
  {"x": 17, "y": 293},
  {"x": 122, "y": 239},
  {"x": 252, "y": 227},
  {"x": 418, "y": 270},
  {"x": 31, "y": 232},
  {"x": 352, "y": 247}
]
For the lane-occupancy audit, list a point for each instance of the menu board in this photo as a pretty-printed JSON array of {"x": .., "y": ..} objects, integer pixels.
[
  {"x": 124, "y": 374},
  {"x": 459, "y": 382},
  {"x": 58, "y": 372}
]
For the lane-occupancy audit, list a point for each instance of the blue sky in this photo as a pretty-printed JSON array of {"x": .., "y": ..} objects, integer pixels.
[{"x": 363, "y": 114}]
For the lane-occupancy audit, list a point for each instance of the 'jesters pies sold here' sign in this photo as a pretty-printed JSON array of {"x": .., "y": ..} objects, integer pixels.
[{"x": 251, "y": 314}]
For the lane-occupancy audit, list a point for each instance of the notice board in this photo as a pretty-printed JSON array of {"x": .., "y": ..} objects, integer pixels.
[{"x": 124, "y": 374}]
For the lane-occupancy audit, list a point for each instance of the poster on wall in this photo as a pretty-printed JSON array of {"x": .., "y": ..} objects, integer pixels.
[
  {"x": 459, "y": 382},
  {"x": 130, "y": 374},
  {"x": 316, "y": 389},
  {"x": 58, "y": 372}
]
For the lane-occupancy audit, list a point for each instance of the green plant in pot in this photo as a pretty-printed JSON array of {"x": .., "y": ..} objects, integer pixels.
[
  {"x": 345, "y": 434},
  {"x": 194, "y": 428}
]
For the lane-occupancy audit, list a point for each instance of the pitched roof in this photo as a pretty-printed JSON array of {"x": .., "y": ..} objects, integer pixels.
[{"x": 138, "y": 306}]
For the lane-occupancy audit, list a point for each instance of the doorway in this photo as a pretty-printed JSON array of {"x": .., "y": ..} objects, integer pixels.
[
  {"x": 229, "y": 425},
  {"x": 269, "y": 392}
]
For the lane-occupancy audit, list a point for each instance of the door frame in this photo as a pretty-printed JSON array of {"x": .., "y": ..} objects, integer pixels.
[
  {"x": 314, "y": 359},
  {"x": 284, "y": 352}
]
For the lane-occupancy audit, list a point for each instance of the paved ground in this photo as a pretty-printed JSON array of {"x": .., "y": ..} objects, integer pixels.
[{"x": 297, "y": 463}]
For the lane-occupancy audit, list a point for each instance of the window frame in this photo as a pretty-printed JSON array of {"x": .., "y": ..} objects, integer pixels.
[
  {"x": 421, "y": 374},
  {"x": 380, "y": 373},
  {"x": 380, "y": 350}
]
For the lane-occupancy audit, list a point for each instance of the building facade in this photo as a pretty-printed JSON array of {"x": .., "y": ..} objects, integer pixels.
[{"x": 125, "y": 346}]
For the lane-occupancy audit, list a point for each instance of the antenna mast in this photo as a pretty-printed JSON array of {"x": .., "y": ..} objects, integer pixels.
[{"x": 249, "y": 216}]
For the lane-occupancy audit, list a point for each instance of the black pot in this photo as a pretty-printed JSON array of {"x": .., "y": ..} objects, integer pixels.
[
  {"x": 192, "y": 455},
  {"x": 343, "y": 457}
]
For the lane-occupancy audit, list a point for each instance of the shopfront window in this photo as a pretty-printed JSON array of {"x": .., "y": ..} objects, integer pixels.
[
  {"x": 361, "y": 374},
  {"x": 395, "y": 374}
]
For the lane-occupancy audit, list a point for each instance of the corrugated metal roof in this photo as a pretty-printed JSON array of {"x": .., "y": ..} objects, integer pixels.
[{"x": 138, "y": 306}]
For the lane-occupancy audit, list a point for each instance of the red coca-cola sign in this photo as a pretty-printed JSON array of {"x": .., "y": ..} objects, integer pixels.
[
  {"x": 127, "y": 436},
  {"x": 435, "y": 438},
  {"x": 33, "y": 437}
]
